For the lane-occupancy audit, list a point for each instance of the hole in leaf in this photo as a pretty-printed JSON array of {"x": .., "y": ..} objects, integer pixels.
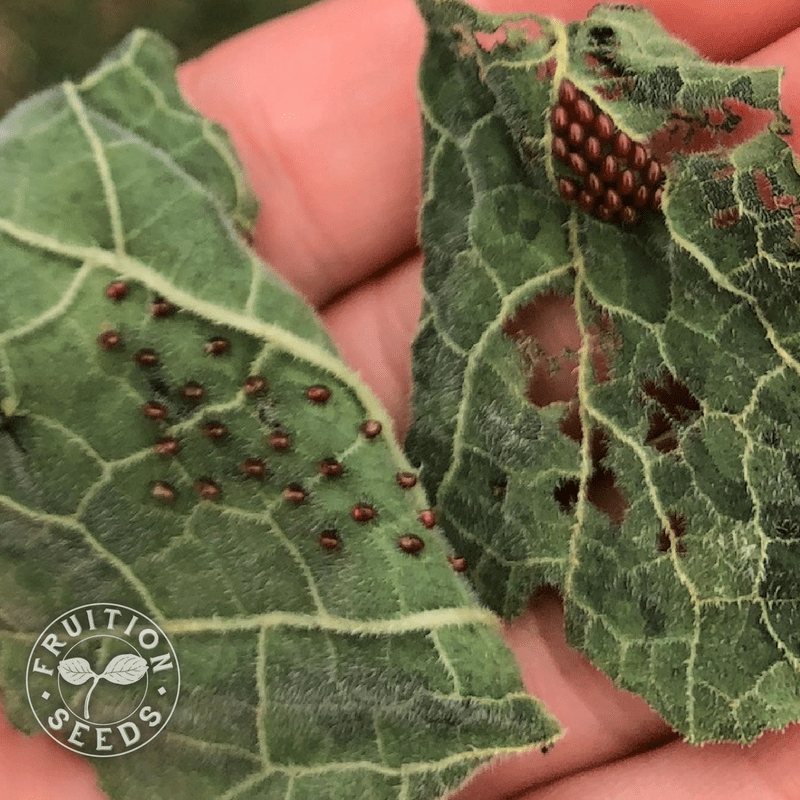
[
  {"x": 677, "y": 528},
  {"x": 512, "y": 33},
  {"x": 566, "y": 494},
  {"x": 677, "y": 405}
]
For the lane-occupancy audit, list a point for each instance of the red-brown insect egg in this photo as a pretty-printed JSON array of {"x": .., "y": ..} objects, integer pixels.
[
  {"x": 146, "y": 358},
  {"x": 605, "y": 213},
  {"x": 371, "y": 428},
  {"x": 559, "y": 119},
  {"x": 559, "y": 148},
  {"x": 458, "y": 563},
  {"x": 207, "y": 489},
  {"x": 254, "y": 384},
  {"x": 108, "y": 340},
  {"x": 586, "y": 201},
  {"x": 214, "y": 430},
  {"x": 583, "y": 112},
  {"x": 578, "y": 164},
  {"x": 653, "y": 174},
  {"x": 318, "y": 394},
  {"x": 594, "y": 185},
  {"x": 567, "y": 93},
  {"x": 116, "y": 291},
  {"x": 362, "y": 512},
  {"x": 216, "y": 347},
  {"x": 153, "y": 410},
  {"x": 330, "y": 468},
  {"x": 410, "y": 544},
  {"x": 329, "y": 540},
  {"x": 427, "y": 518},
  {"x": 612, "y": 201},
  {"x": 638, "y": 158},
  {"x": 628, "y": 215},
  {"x": 279, "y": 441},
  {"x": 625, "y": 182},
  {"x": 163, "y": 491},
  {"x": 161, "y": 308},
  {"x": 567, "y": 188},
  {"x": 592, "y": 149},
  {"x": 655, "y": 200},
  {"x": 167, "y": 447},
  {"x": 294, "y": 494},
  {"x": 575, "y": 135},
  {"x": 604, "y": 127},
  {"x": 192, "y": 391},
  {"x": 253, "y": 468},
  {"x": 623, "y": 144},
  {"x": 610, "y": 168},
  {"x": 406, "y": 480},
  {"x": 641, "y": 197}
]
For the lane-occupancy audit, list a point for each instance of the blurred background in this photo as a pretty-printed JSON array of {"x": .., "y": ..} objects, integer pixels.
[{"x": 45, "y": 41}]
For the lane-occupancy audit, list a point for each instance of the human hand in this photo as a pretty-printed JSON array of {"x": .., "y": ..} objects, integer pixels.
[{"x": 321, "y": 106}]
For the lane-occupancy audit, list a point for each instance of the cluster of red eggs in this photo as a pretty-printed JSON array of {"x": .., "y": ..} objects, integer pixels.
[{"x": 617, "y": 178}]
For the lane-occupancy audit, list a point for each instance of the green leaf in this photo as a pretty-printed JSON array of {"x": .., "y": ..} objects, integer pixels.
[
  {"x": 167, "y": 405},
  {"x": 649, "y": 465}
]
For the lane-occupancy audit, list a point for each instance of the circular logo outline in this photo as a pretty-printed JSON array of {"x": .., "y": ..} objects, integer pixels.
[{"x": 136, "y": 618}]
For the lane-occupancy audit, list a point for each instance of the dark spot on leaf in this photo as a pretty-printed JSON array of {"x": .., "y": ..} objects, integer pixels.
[
  {"x": 458, "y": 563},
  {"x": 207, "y": 489},
  {"x": 216, "y": 347},
  {"x": 406, "y": 480},
  {"x": 214, "y": 430},
  {"x": 371, "y": 428},
  {"x": 677, "y": 528},
  {"x": 253, "y": 468},
  {"x": 163, "y": 491},
  {"x": 362, "y": 512},
  {"x": 318, "y": 394},
  {"x": 167, "y": 447},
  {"x": 146, "y": 358},
  {"x": 411, "y": 544},
  {"x": 278, "y": 440},
  {"x": 193, "y": 391},
  {"x": 109, "y": 340},
  {"x": 294, "y": 493},
  {"x": 255, "y": 384},
  {"x": 602, "y": 35},
  {"x": 566, "y": 494},
  {"x": 329, "y": 540},
  {"x": 153, "y": 410},
  {"x": 330, "y": 468},
  {"x": 117, "y": 291},
  {"x": 427, "y": 518},
  {"x": 677, "y": 406},
  {"x": 499, "y": 490}
]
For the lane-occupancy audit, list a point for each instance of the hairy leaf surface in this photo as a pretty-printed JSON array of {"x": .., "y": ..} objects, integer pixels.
[
  {"x": 178, "y": 436},
  {"x": 646, "y": 458}
]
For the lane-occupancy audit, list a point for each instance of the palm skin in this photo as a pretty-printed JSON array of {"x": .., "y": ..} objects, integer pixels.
[{"x": 321, "y": 106}]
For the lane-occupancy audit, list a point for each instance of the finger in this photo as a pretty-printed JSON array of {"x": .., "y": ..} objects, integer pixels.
[
  {"x": 678, "y": 771},
  {"x": 322, "y": 109},
  {"x": 601, "y": 723},
  {"x": 373, "y": 326},
  {"x": 785, "y": 52}
]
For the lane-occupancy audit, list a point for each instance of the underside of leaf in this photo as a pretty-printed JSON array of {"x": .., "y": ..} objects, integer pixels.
[
  {"x": 608, "y": 363},
  {"x": 178, "y": 436}
]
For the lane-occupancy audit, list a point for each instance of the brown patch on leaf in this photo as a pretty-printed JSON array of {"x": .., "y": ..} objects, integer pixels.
[
  {"x": 677, "y": 528},
  {"x": 719, "y": 128},
  {"x": 766, "y": 193},
  {"x": 726, "y": 217},
  {"x": 677, "y": 405}
]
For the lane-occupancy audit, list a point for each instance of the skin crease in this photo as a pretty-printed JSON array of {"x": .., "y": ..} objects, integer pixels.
[{"x": 332, "y": 149}]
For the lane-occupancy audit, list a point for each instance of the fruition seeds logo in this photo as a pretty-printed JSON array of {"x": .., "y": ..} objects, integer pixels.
[{"x": 103, "y": 680}]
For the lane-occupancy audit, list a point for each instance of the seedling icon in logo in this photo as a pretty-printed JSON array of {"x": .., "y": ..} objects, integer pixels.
[{"x": 122, "y": 670}]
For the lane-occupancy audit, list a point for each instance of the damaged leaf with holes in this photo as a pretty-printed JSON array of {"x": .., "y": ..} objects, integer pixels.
[
  {"x": 607, "y": 370},
  {"x": 178, "y": 436}
]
